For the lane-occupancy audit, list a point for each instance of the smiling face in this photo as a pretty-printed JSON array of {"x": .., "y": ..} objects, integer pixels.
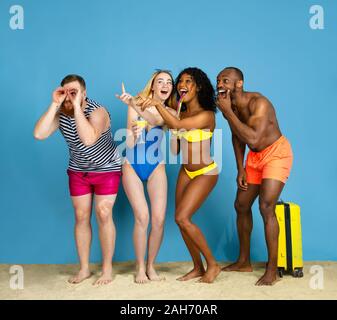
[
  {"x": 228, "y": 80},
  {"x": 187, "y": 87},
  {"x": 162, "y": 86}
]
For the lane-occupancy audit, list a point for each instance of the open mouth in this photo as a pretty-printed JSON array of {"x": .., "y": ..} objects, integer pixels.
[
  {"x": 220, "y": 91},
  {"x": 164, "y": 92},
  {"x": 182, "y": 92}
]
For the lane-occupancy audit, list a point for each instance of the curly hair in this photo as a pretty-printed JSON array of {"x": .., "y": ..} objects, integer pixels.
[{"x": 206, "y": 93}]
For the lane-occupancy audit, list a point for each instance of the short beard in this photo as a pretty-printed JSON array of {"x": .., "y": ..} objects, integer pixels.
[{"x": 67, "y": 111}]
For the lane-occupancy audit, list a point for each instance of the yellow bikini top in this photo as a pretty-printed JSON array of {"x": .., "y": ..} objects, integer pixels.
[{"x": 195, "y": 135}]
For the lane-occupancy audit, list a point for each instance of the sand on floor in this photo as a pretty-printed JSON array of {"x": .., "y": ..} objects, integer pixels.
[{"x": 49, "y": 282}]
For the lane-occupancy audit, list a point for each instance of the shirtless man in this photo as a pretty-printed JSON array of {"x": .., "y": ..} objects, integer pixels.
[{"x": 252, "y": 120}]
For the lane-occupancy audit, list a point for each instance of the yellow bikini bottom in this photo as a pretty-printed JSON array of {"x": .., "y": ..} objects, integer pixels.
[{"x": 193, "y": 174}]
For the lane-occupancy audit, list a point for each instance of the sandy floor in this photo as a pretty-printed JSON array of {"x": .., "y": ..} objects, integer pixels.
[{"x": 50, "y": 282}]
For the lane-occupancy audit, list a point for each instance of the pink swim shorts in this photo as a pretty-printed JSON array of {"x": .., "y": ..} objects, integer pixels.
[{"x": 100, "y": 183}]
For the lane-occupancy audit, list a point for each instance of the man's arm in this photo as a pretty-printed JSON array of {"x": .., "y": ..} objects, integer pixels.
[
  {"x": 91, "y": 130},
  {"x": 239, "y": 151},
  {"x": 239, "y": 147},
  {"x": 49, "y": 121},
  {"x": 258, "y": 122}
]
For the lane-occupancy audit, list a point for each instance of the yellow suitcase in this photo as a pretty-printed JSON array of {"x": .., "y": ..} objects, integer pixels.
[{"x": 290, "y": 259}]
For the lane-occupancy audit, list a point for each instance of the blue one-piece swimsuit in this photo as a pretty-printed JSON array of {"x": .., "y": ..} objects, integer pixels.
[{"x": 145, "y": 157}]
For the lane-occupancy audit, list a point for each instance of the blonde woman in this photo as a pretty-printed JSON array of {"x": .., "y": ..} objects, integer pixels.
[{"x": 144, "y": 163}]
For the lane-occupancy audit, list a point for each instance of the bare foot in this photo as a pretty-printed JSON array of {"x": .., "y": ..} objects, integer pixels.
[
  {"x": 81, "y": 276},
  {"x": 141, "y": 277},
  {"x": 152, "y": 274},
  {"x": 239, "y": 267},
  {"x": 269, "y": 278},
  {"x": 211, "y": 273},
  {"x": 104, "y": 279},
  {"x": 195, "y": 273}
]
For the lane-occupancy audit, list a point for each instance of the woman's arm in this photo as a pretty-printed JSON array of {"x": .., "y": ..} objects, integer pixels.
[
  {"x": 174, "y": 140},
  {"x": 153, "y": 118},
  {"x": 199, "y": 121},
  {"x": 133, "y": 131},
  {"x": 174, "y": 144}
]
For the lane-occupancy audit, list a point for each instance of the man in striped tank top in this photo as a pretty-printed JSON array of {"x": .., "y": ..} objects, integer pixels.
[{"x": 94, "y": 167}]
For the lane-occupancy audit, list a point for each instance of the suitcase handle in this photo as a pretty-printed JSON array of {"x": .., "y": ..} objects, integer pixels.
[{"x": 280, "y": 201}]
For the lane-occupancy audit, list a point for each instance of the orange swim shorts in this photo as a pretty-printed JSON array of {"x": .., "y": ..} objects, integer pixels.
[{"x": 274, "y": 162}]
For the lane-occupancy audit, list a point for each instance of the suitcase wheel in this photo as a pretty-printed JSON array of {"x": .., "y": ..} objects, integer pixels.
[
  {"x": 298, "y": 273},
  {"x": 280, "y": 272}
]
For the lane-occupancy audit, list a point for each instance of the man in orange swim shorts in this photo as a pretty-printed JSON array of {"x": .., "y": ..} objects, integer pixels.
[{"x": 253, "y": 122}]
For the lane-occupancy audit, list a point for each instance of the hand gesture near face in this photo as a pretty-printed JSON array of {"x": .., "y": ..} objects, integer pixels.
[
  {"x": 148, "y": 102},
  {"x": 224, "y": 102},
  {"x": 59, "y": 95},
  {"x": 75, "y": 97},
  {"x": 125, "y": 97}
]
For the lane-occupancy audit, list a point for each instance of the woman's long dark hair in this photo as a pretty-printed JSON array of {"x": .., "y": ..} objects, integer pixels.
[{"x": 206, "y": 93}]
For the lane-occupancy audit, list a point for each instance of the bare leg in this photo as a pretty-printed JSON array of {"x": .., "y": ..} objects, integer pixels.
[
  {"x": 243, "y": 206},
  {"x": 134, "y": 190},
  {"x": 157, "y": 189},
  {"x": 107, "y": 235},
  {"x": 269, "y": 194},
  {"x": 198, "y": 267},
  {"x": 83, "y": 234},
  {"x": 195, "y": 194}
]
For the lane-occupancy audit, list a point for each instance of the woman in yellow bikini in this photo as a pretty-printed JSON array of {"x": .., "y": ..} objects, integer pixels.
[{"x": 192, "y": 133}]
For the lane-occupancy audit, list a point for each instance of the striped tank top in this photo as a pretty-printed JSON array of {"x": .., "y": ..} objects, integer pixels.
[{"x": 103, "y": 156}]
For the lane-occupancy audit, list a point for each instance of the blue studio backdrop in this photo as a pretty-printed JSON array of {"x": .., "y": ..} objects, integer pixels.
[{"x": 276, "y": 44}]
